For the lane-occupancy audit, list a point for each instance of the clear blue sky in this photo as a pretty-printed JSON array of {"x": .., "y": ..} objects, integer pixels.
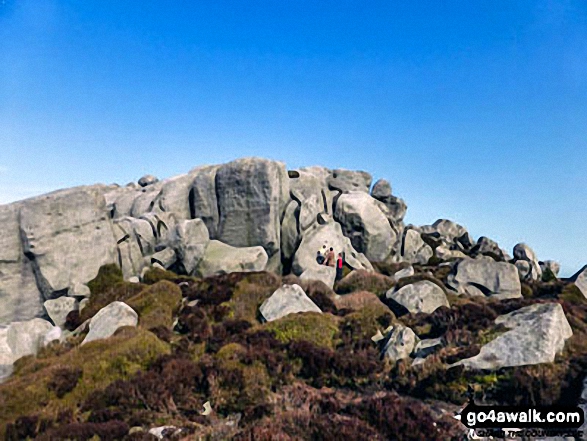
[{"x": 474, "y": 110}]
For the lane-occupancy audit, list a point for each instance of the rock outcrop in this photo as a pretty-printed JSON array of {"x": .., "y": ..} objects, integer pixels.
[
  {"x": 399, "y": 343},
  {"x": 220, "y": 258},
  {"x": 289, "y": 299},
  {"x": 423, "y": 296},
  {"x": 109, "y": 319}
]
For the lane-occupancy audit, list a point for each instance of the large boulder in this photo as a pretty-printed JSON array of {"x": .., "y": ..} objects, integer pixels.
[
  {"x": 289, "y": 299},
  {"x": 202, "y": 198},
  {"x": 252, "y": 194},
  {"x": 329, "y": 234},
  {"x": 323, "y": 273},
  {"x": 147, "y": 180},
  {"x": 109, "y": 319},
  {"x": 26, "y": 338},
  {"x": 393, "y": 207},
  {"x": 365, "y": 225},
  {"x": 523, "y": 252},
  {"x": 220, "y": 258},
  {"x": 68, "y": 236},
  {"x": 20, "y": 299},
  {"x": 486, "y": 246},
  {"x": 174, "y": 196},
  {"x": 536, "y": 334},
  {"x": 290, "y": 230},
  {"x": 414, "y": 249},
  {"x": 423, "y": 296},
  {"x": 190, "y": 240},
  {"x": 135, "y": 239},
  {"x": 486, "y": 277},
  {"x": 6, "y": 357},
  {"x": 580, "y": 280},
  {"x": 399, "y": 343},
  {"x": 349, "y": 180},
  {"x": 57, "y": 309}
]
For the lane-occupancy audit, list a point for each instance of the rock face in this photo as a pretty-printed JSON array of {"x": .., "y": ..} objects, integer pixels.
[
  {"x": 485, "y": 245},
  {"x": 289, "y": 299},
  {"x": 68, "y": 236},
  {"x": 220, "y": 258},
  {"x": 523, "y": 253},
  {"x": 399, "y": 343},
  {"x": 109, "y": 319},
  {"x": 147, "y": 180},
  {"x": 424, "y": 296},
  {"x": 365, "y": 225},
  {"x": 551, "y": 265},
  {"x": 324, "y": 274},
  {"x": 537, "y": 333},
  {"x": 189, "y": 240},
  {"x": 580, "y": 280},
  {"x": 486, "y": 277},
  {"x": 414, "y": 249}
]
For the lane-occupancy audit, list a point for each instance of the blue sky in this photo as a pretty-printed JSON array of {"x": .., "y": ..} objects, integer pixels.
[{"x": 475, "y": 111}]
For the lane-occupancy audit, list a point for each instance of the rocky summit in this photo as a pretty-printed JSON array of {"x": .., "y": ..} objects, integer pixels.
[{"x": 210, "y": 306}]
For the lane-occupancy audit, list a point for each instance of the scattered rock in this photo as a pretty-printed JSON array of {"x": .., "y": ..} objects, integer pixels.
[
  {"x": 486, "y": 277},
  {"x": 486, "y": 246},
  {"x": 164, "y": 431},
  {"x": 220, "y": 258},
  {"x": 57, "y": 309},
  {"x": 424, "y": 296},
  {"x": 147, "y": 180},
  {"x": 537, "y": 333},
  {"x": 288, "y": 299},
  {"x": 399, "y": 343},
  {"x": 109, "y": 319},
  {"x": 426, "y": 347}
]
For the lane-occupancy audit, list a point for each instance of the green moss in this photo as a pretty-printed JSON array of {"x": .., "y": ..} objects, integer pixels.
[
  {"x": 154, "y": 275},
  {"x": 101, "y": 362},
  {"x": 487, "y": 335},
  {"x": 572, "y": 294},
  {"x": 360, "y": 280},
  {"x": 156, "y": 304},
  {"x": 120, "y": 291},
  {"x": 249, "y": 294},
  {"x": 418, "y": 278},
  {"x": 527, "y": 291},
  {"x": 363, "y": 324},
  {"x": 319, "y": 329},
  {"x": 548, "y": 275},
  {"x": 108, "y": 276}
]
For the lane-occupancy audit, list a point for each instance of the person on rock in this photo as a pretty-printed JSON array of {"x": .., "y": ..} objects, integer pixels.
[
  {"x": 339, "y": 264},
  {"x": 330, "y": 259},
  {"x": 320, "y": 257}
]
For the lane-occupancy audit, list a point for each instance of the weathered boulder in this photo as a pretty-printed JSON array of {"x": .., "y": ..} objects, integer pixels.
[
  {"x": 381, "y": 190},
  {"x": 290, "y": 232},
  {"x": 79, "y": 290},
  {"x": 145, "y": 201},
  {"x": 289, "y": 299},
  {"x": 166, "y": 258},
  {"x": 252, "y": 194},
  {"x": 55, "y": 334},
  {"x": 399, "y": 343},
  {"x": 365, "y": 225},
  {"x": 57, "y": 309},
  {"x": 130, "y": 255},
  {"x": 26, "y": 338},
  {"x": 349, "y": 180},
  {"x": 69, "y": 236},
  {"x": 190, "y": 239},
  {"x": 202, "y": 198},
  {"x": 325, "y": 274},
  {"x": 486, "y": 277},
  {"x": 406, "y": 272},
  {"x": 523, "y": 252},
  {"x": 446, "y": 230},
  {"x": 220, "y": 258},
  {"x": 524, "y": 269},
  {"x": 537, "y": 333},
  {"x": 486, "y": 246},
  {"x": 174, "y": 196},
  {"x": 426, "y": 347},
  {"x": 551, "y": 265},
  {"x": 147, "y": 180},
  {"x": 414, "y": 249},
  {"x": 20, "y": 298},
  {"x": 6, "y": 356},
  {"x": 446, "y": 254},
  {"x": 109, "y": 319},
  {"x": 329, "y": 234},
  {"x": 119, "y": 201},
  {"x": 580, "y": 280},
  {"x": 423, "y": 296}
]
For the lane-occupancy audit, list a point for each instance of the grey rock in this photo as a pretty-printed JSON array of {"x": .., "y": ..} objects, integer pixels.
[
  {"x": 445, "y": 253},
  {"x": 550, "y": 265},
  {"x": 119, "y": 201},
  {"x": 381, "y": 190},
  {"x": 26, "y": 338},
  {"x": 485, "y": 245},
  {"x": 580, "y": 280},
  {"x": 324, "y": 274},
  {"x": 252, "y": 194},
  {"x": 485, "y": 276},
  {"x": 79, "y": 290},
  {"x": 406, "y": 272},
  {"x": 400, "y": 343},
  {"x": 134, "y": 279},
  {"x": 20, "y": 298},
  {"x": 174, "y": 196},
  {"x": 6, "y": 356},
  {"x": 365, "y": 225},
  {"x": 329, "y": 234},
  {"x": 524, "y": 253},
  {"x": 524, "y": 269},
  {"x": 109, "y": 319},
  {"x": 309, "y": 211},
  {"x": 203, "y": 201},
  {"x": 83, "y": 303},
  {"x": 147, "y": 180},
  {"x": 220, "y": 258},
  {"x": 55, "y": 334},
  {"x": 290, "y": 235},
  {"x": 57, "y": 309},
  {"x": 426, "y": 347},
  {"x": 145, "y": 200},
  {"x": 446, "y": 229},
  {"x": 349, "y": 180},
  {"x": 309, "y": 189},
  {"x": 166, "y": 257},
  {"x": 414, "y": 249},
  {"x": 424, "y": 296},
  {"x": 70, "y": 236},
  {"x": 190, "y": 240},
  {"x": 130, "y": 255},
  {"x": 536, "y": 334},
  {"x": 289, "y": 299}
]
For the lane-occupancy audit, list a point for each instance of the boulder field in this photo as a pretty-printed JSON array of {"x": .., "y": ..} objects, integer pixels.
[{"x": 195, "y": 306}]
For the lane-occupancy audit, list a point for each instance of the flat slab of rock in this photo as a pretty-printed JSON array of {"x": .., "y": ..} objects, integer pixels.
[
  {"x": 537, "y": 333},
  {"x": 486, "y": 277},
  {"x": 57, "y": 309},
  {"x": 26, "y": 338},
  {"x": 406, "y": 272},
  {"x": 323, "y": 273},
  {"x": 424, "y": 296},
  {"x": 289, "y": 299},
  {"x": 400, "y": 343},
  {"x": 109, "y": 319},
  {"x": 220, "y": 258}
]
